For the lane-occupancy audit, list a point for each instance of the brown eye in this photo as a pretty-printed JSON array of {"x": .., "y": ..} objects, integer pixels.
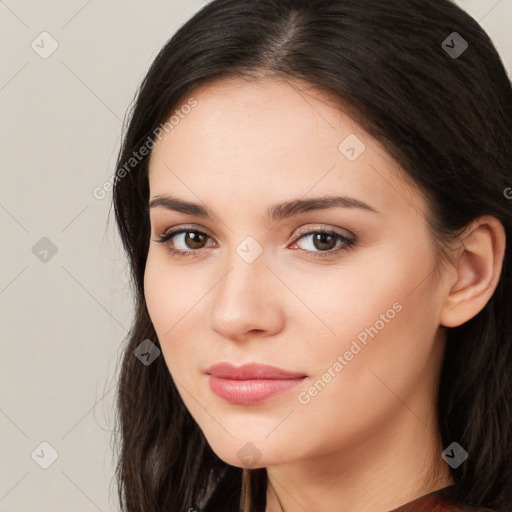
[
  {"x": 184, "y": 241},
  {"x": 194, "y": 239},
  {"x": 324, "y": 241}
]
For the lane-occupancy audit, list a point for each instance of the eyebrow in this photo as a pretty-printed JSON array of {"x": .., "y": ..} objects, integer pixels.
[{"x": 273, "y": 213}]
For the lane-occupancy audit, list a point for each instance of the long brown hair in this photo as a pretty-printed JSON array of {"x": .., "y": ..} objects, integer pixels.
[{"x": 445, "y": 118}]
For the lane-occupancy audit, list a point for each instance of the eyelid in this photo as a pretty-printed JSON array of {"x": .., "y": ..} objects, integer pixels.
[
  {"x": 183, "y": 228},
  {"x": 325, "y": 229},
  {"x": 348, "y": 240},
  {"x": 170, "y": 233},
  {"x": 302, "y": 231}
]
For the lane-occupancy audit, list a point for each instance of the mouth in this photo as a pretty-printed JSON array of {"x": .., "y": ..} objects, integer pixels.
[{"x": 251, "y": 384}]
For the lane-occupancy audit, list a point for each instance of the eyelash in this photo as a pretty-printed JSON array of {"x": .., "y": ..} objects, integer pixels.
[{"x": 348, "y": 243}]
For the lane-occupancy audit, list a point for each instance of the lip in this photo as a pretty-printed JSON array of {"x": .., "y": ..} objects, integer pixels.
[{"x": 251, "y": 384}]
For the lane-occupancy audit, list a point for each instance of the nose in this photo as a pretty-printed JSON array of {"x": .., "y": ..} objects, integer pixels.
[{"x": 247, "y": 301}]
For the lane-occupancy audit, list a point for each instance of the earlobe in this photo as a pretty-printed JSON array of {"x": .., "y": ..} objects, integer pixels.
[{"x": 478, "y": 271}]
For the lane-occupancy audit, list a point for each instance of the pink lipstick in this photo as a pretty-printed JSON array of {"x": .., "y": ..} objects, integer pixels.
[{"x": 251, "y": 384}]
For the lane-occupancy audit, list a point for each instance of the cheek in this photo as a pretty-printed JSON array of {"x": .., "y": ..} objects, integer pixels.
[
  {"x": 169, "y": 291},
  {"x": 158, "y": 294},
  {"x": 385, "y": 320},
  {"x": 365, "y": 300},
  {"x": 381, "y": 313},
  {"x": 173, "y": 297},
  {"x": 358, "y": 385},
  {"x": 160, "y": 291}
]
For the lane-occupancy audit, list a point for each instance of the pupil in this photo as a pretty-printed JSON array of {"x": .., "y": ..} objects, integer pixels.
[
  {"x": 321, "y": 237},
  {"x": 192, "y": 238}
]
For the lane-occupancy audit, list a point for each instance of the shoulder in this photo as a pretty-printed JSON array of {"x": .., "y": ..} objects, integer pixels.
[{"x": 439, "y": 501}]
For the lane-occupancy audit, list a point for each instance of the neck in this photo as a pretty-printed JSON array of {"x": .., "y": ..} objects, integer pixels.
[{"x": 379, "y": 471}]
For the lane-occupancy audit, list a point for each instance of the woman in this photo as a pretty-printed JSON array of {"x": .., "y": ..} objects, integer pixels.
[{"x": 312, "y": 195}]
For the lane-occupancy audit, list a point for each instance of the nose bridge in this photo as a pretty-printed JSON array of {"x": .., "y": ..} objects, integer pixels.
[
  {"x": 246, "y": 273},
  {"x": 243, "y": 300}
]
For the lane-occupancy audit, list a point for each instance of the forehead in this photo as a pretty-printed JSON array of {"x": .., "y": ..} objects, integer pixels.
[
  {"x": 248, "y": 115},
  {"x": 271, "y": 137}
]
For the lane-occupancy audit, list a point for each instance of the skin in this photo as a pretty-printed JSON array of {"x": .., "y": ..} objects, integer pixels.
[{"x": 368, "y": 439}]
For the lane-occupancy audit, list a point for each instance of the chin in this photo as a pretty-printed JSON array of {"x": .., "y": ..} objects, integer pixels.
[{"x": 244, "y": 453}]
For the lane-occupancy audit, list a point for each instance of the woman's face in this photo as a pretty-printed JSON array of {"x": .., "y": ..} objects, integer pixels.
[{"x": 352, "y": 314}]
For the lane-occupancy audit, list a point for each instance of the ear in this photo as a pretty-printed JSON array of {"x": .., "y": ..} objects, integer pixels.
[{"x": 478, "y": 268}]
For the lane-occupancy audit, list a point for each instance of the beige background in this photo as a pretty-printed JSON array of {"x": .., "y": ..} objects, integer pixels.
[{"x": 64, "y": 315}]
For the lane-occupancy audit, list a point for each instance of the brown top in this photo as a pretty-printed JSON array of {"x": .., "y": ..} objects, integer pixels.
[{"x": 438, "y": 501}]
